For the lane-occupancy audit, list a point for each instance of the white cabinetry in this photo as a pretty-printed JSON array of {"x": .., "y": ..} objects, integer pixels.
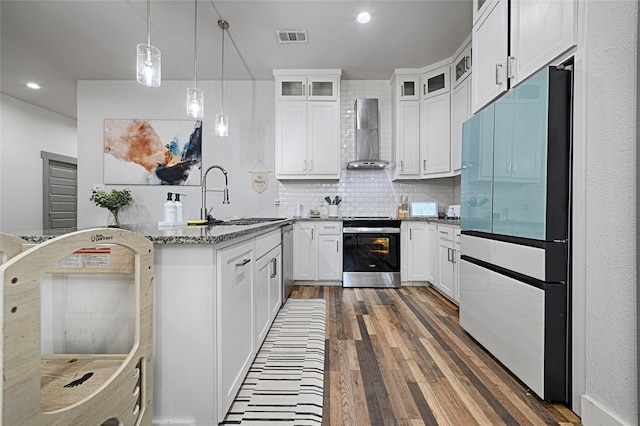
[
  {"x": 317, "y": 251},
  {"x": 512, "y": 43},
  {"x": 489, "y": 53},
  {"x": 435, "y": 82},
  {"x": 406, "y": 124},
  {"x": 307, "y": 124},
  {"x": 268, "y": 283},
  {"x": 433, "y": 253},
  {"x": 415, "y": 251},
  {"x": 235, "y": 320},
  {"x": 447, "y": 280},
  {"x": 460, "y": 112},
  {"x": 461, "y": 66},
  {"x": 435, "y": 133}
]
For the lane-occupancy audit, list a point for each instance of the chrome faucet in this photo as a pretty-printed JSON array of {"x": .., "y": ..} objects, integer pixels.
[{"x": 204, "y": 212}]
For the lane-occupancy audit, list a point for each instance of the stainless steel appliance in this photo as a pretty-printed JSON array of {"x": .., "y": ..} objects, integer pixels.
[
  {"x": 367, "y": 136},
  {"x": 371, "y": 252},
  {"x": 287, "y": 261},
  {"x": 515, "y": 220}
]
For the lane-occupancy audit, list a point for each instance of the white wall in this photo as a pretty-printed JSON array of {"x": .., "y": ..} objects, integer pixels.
[
  {"x": 606, "y": 152},
  {"x": 26, "y": 131},
  {"x": 365, "y": 193},
  {"x": 250, "y": 106}
]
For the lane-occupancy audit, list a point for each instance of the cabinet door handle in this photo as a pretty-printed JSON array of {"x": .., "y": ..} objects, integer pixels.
[
  {"x": 304, "y": 90},
  {"x": 312, "y": 233},
  {"x": 337, "y": 247},
  {"x": 511, "y": 65},
  {"x": 443, "y": 232},
  {"x": 274, "y": 267},
  {"x": 310, "y": 91},
  {"x": 499, "y": 74},
  {"x": 466, "y": 63},
  {"x": 509, "y": 168},
  {"x": 402, "y": 90},
  {"x": 310, "y": 165},
  {"x": 409, "y": 233},
  {"x": 424, "y": 89},
  {"x": 515, "y": 168},
  {"x": 424, "y": 165},
  {"x": 243, "y": 262},
  {"x": 453, "y": 255},
  {"x": 401, "y": 166}
]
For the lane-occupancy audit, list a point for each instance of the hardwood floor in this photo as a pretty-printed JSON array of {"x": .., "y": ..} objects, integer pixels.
[{"x": 399, "y": 357}]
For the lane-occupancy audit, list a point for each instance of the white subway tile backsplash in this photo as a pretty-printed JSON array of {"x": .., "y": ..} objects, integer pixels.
[{"x": 365, "y": 193}]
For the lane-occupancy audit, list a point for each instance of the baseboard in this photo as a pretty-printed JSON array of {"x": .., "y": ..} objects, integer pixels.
[
  {"x": 594, "y": 414},
  {"x": 174, "y": 422}
]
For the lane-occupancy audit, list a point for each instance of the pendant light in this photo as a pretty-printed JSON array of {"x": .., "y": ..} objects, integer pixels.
[
  {"x": 222, "y": 119},
  {"x": 195, "y": 96},
  {"x": 148, "y": 58}
]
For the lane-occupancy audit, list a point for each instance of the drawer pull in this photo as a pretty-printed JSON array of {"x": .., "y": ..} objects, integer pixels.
[
  {"x": 244, "y": 262},
  {"x": 274, "y": 265}
]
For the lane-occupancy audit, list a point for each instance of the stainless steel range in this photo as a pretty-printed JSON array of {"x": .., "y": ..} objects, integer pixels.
[{"x": 371, "y": 252}]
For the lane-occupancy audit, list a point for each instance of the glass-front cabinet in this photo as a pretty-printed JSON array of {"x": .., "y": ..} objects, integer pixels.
[
  {"x": 301, "y": 88},
  {"x": 435, "y": 82}
]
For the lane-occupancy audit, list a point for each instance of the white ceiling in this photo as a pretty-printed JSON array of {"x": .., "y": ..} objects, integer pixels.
[{"x": 56, "y": 43}]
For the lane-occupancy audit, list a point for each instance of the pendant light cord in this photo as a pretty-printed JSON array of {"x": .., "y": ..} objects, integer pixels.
[
  {"x": 148, "y": 23},
  {"x": 195, "y": 46},
  {"x": 222, "y": 72}
]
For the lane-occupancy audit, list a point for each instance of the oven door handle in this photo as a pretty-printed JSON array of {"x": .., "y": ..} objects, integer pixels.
[{"x": 370, "y": 230}]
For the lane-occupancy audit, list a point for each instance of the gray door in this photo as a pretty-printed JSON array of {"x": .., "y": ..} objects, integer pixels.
[{"x": 60, "y": 188}]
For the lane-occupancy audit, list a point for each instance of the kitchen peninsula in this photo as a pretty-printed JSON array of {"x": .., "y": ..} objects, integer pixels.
[{"x": 216, "y": 291}]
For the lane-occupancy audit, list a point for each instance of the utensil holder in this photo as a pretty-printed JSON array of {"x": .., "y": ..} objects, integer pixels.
[{"x": 332, "y": 210}]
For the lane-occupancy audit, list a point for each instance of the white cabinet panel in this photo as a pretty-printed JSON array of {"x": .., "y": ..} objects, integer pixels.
[
  {"x": 408, "y": 140},
  {"x": 540, "y": 32},
  {"x": 415, "y": 251},
  {"x": 291, "y": 137},
  {"x": 304, "y": 251},
  {"x": 329, "y": 257},
  {"x": 433, "y": 254},
  {"x": 489, "y": 55},
  {"x": 235, "y": 319},
  {"x": 317, "y": 251},
  {"x": 323, "y": 133},
  {"x": 460, "y": 112},
  {"x": 435, "y": 133},
  {"x": 507, "y": 318}
]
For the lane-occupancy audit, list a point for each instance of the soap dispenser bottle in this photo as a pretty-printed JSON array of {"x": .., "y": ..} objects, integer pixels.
[
  {"x": 169, "y": 209},
  {"x": 179, "y": 207}
]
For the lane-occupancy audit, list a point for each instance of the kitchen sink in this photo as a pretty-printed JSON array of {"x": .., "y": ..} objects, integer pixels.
[{"x": 249, "y": 220}]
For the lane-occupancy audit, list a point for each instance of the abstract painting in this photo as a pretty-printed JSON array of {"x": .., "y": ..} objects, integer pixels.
[{"x": 152, "y": 152}]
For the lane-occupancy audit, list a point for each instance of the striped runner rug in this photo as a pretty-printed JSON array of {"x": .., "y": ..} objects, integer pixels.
[{"x": 285, "y": 382}]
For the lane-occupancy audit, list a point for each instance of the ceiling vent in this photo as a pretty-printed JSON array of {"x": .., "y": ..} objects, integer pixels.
[{"x": 292, "y": 36}]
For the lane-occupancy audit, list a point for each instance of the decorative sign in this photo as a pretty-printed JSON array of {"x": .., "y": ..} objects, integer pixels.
[{"x": 259, "y": 181}]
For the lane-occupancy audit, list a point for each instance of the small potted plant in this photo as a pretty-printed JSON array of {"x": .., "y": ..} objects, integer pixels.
[{"x": 112, "y": 201}]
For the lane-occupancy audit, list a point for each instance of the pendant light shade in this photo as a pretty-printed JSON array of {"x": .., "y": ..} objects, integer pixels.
[
  {"x": 222, "y": 124},
  {"x": 195, "y": 103},
  {"x": 148, "y": 64},
  {"x": 222, "y": 119},
  {"x": 195, "y": 96}
]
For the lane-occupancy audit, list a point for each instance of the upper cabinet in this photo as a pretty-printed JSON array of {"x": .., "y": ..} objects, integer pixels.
[
  {"x": 307, "y": 124},
  {"x": 407, "y": 87},
  {"x": 301, "y": 88},
  {"x": 435, "y": 82},
  {"x": 512, "y": 40},
  {"x": 461, "y": 66},
  {"x": 489, "y": 53}
]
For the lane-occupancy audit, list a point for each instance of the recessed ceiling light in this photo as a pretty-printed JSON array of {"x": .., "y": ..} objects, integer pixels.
[
  {"x": 364, "y": 17},
  {"x": 33, "y": 85}
]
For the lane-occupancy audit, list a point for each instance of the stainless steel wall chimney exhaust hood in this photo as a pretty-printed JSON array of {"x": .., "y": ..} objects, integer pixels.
[{"x": 367, "y": 137}]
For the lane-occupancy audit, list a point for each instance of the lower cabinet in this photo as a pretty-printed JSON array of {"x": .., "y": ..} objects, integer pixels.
[
  {"x": 447, "y": 281},
  {"x": 248, "y": 298},
  {"x": 317, "y": 251},
  {"x": 433, "y": 250},
  {"x": 235, "y": 320},
  {"x": 415, "y": 246}
]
